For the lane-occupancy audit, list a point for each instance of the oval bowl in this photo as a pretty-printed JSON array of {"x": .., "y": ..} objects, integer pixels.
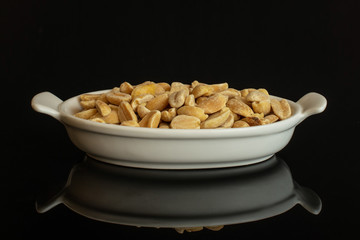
[{"x": 176, "y": 148}]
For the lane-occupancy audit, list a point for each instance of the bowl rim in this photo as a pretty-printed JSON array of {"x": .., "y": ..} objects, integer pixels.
[{"x": 70, "y": 106}]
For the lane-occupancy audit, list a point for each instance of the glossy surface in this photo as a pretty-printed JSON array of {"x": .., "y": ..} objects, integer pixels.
[{"x": 188, "y": 198}]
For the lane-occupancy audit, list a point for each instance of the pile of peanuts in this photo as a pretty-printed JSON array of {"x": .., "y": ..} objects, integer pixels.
[{"x": 183, "y": 106}]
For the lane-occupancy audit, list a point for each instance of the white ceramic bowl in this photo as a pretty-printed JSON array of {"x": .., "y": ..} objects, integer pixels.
[{"x": 176, "y": 148}]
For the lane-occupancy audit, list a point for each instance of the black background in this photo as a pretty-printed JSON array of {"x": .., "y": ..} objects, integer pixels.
[{"x": 288, "y": 47}]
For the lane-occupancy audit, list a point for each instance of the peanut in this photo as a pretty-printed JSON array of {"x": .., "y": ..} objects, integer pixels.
[
  {"x": 126, "y": 112},
  {"x": 126, "y": 87},
  {"x": 239, "y": 107},
  {"x": 185, "y": 122},
  {"x": 271, "y": 118},
  {"x": 117, "y": 97},
  {"x": 168, "y": 115},
  {"x": 281, "y": 108},
  {"x": 240, "y": 124},
  {"x": 262, "y": 107},
  {"x": 142, "y": 110},
  {"x": 102, "y": 108},
  {"x": 141, "y": 99},
  {"x": 213, "y": 103},
  {"x": 151, "y": 120},
  {"x": 87, "y": 97},
  {"x": 160, "y": 102},
  {"x": 177, "y": 99},
  {"x": 217, "y": 119},
  {"x": 257, "y": 96},
  {"x": 86, "y": 114},
  {"x": 193, "y": 111},
  {"x": 148, "y": 88},
  {"x": 130, "y": 123},
  {"x": 88, "y": 104},
  {"x": 190, "y": 100}
]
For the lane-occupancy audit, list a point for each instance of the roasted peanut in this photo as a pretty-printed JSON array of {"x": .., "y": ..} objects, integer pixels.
[
  {"x": 177, "y": 99},
  {"x": 117, "y": 97},
  {"x": 177, "y": 86},
  {"x": 281, "y": 108},
  {"x": 165, "y": 86},
  {"x": 185, "y": 122},
  {"x": 257, "y": 96},
  {"x": 99, "y": 120},
  {"x": 142, "y": 110},
  {"x": 88, "y": 104},
  {"x": 151, "y": 120},
  {"x": 253, "y": 121},
  {"x": 213, "y": 103},
  {"x": 208, "y": 90},
  {"x": 168, "y": 115},
  {"x": 89, "y": 96},
  {"x": 217, "y": 119},
  {"x": 130, "y": 123},
  {"x": 229, "y": 121},
  {"x": 126, "y": 87},
  {"x": 86, "y": 114},
  {"x": 160, "y": 102},
  {"x": 112, "y": 118},
  {"x": 193, "y": 111},
  {"x": 201, "y": 90},
  {"x": 102, "y": 108},
  {"x": 149, "y": 88},
  {"x": 231, "y": 93},
  {"x": 271, "y": 118},
  {"x": 239, "y": 107},
  {"x": 141, "y": 99},
  {"x": 262, "y": 107},
  {"x": 126, "y": 112},
  {"x": 190, "y": 100},
  {"x": 246, "y": 91},
  {"x": 240, "y": 124},
  {"x": 164, "y": 125}
]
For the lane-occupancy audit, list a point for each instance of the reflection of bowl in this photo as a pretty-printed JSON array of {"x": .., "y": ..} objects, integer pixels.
[
  {"x": 176, "y": 148},
  {"x": 158, "y": 198}
]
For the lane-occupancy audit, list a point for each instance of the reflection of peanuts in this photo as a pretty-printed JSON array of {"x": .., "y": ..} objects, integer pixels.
[{"x": 178, "y": 105}]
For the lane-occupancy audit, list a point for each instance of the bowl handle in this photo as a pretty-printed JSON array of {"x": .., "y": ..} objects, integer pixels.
[
  {"x": 47, "y": 103},
  {"x": 311, "y": 103}
]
